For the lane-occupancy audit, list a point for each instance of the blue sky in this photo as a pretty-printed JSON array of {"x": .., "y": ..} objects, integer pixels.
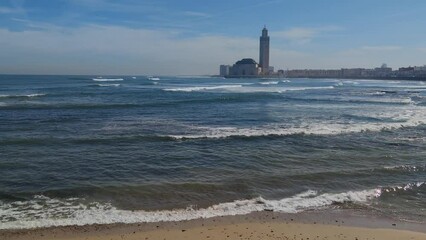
[{"x": 162, "y": 37}]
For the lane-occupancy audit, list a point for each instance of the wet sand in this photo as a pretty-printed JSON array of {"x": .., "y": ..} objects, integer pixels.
[{"x": 261, "y": 225}]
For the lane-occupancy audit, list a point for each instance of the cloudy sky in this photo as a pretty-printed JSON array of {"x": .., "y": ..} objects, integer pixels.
[{"x": 168, "y": 37}]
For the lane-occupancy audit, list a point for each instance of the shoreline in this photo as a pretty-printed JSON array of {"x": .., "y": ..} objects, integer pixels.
[{"x": 328, "y": 224}]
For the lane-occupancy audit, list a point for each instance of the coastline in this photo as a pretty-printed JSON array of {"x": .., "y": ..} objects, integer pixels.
[
  {"x": 328, "y": 224},
  {"x": 325, "y": 77}
]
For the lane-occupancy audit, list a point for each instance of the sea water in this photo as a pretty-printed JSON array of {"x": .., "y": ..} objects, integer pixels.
[{"x": 78, "y": 150}]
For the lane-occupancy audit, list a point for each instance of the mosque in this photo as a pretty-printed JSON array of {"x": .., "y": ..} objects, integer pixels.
[{"x": 248, "y": 67}]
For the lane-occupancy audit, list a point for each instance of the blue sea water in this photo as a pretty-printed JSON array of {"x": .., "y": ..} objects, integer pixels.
[{"x": 82, "y": 150}]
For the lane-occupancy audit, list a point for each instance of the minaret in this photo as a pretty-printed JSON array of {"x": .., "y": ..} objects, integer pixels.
[{"x": 264, "y": 51}]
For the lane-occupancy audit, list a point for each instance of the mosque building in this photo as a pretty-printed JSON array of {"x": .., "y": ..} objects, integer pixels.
[
  {"x": 245, "y": 67},
  {"x": 248, "y": 67}
]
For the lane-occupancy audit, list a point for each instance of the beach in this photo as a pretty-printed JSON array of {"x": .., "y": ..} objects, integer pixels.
[{"x": 261, "y": 225}]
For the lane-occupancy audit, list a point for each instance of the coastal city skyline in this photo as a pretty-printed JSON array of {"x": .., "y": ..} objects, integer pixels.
[
  {"x": 106, "y": 37},
  {"x": 250, "y": 68}
]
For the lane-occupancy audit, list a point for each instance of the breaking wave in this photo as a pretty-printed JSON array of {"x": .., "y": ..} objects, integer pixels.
[
  {"x": 246, "y": 89},
  {"x": 43, "y": 211},
  {"x": 33, "y": 95},
  {"x": 402, "y": 188},
  {"x": 269, "y": 83},
  {"x": 319, "y": 128},
  {"x": 109, "y": 85},
  {"x": 107, "y": 79},
  {"x": 194, "y": 89}
]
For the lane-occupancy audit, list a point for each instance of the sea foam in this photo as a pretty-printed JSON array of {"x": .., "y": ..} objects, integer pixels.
[
  {"x": 109, "y": 85},
  {"x": 107, "y": 79},
  {"x": 46, "y": 212},
  {"x": 408, "y": 118},
  {"x": 32, "y": 95},
  {"x": 246, "y": 89},
  {"x": 201, "y": 88},
  {"x": 269, "y": 83}
]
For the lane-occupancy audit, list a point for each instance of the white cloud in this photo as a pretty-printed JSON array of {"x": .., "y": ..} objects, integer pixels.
[
  {"x": 374, "y": 56},
  {"x": 370, "y": 50},
  {"x": 303, "y": 35},
  {"x": 296, "y": 33},
  {"x": 381, "y": 48},
  {"x": 118, "y": 50},
  {"x": 94, "y": 49},
  {"x": 131, "y": 7},
  {"x": 6, "y": 10},
  {"x": 38, "y": 25},
  {"x": 196, "y": 14}
]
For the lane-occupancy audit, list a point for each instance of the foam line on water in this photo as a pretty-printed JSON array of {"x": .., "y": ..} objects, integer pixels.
[
  {"x": 410, "y": 118},
  {"x": 401, "y": 188},
  {"x": 201, "y": 88},
  {"x": 46, "y": 212},
  {"x": 245, "y": 89},
  {"x": 107, "y": 79},
  {"x": 278, "y": 89},
  {"x": 23, "y": 95},
  {"x": 109, "y": 85},
  {"x": 269, "y": 83}
]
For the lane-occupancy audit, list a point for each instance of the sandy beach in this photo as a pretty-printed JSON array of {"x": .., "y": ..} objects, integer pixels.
[{"x": 262, "y": 225}]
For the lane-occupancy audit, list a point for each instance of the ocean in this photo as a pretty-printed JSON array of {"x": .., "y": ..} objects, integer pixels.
[{"x": 78, "y": 150}]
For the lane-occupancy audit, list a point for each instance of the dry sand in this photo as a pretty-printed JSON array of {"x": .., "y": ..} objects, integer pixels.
[{"x": 264, "y": 225}]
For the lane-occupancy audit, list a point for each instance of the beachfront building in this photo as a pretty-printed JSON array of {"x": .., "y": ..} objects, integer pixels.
[
  {"x": 312, "y": 73},
  {"x": 420, "y": 68},
  {"x": 264, "y": 52},
  {"x": 224, "y": 70}
]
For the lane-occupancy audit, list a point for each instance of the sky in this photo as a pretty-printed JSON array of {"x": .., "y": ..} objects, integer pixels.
[{"x": 192, "y": 37}]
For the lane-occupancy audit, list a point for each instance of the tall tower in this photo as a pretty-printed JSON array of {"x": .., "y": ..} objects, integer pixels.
[{"x": 264, "y": 51}]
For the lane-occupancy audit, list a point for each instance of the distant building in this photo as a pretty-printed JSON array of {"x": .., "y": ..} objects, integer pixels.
[
  {"x": 407, "y": 72},
  {"x": 420, "y": 68},
  {"x": 244, "y": 68},
  {"x": 406, "y": 69},
  {"x": 224, "y": 70},
  {"x": 352, "y": 72},
  {"x": 420, "y": 71},
  {"x": 383, "y": 71},
  {"x": 248, "y": 67},
  {"x": 264, "y": 52},
  {"x": 314, "y": 73}
]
